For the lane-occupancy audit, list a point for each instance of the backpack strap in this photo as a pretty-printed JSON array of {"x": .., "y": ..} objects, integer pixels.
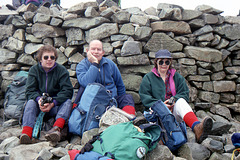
[
  {"x": 152, "y": 130},
  {"x": 233, "y": 154},
  {"x": 38, "y": 125}
]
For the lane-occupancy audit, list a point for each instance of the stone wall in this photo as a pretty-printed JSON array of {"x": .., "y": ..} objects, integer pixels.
[{"x": 204, "y": 44}]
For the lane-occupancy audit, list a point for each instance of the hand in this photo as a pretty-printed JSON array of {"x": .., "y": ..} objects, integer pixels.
[
  {"x": 91, "y": 58},
  {"x": 46, "y": 107},
  {"x": 170, "y": 107}
]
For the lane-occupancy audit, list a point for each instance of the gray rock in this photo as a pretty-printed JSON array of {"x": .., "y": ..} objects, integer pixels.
[
  {"x": 160, "y": 152},
  {"x": 127, "y": 29},
  {"x": 210, "y": 19},
  {"x": 91, "y": 12},
  {"x": 7, "y": 56},
  {"x": 15, "y": 45},
  {"x": 224, "y": 86},
  {"x": 133, "y": 60},
  {"x": 102, "y": 31},
  {"x": 171, "y": 26},
  {"x": 43, "y": 31},
  {"x": 208, "y": 9},
  {"x": 121, "y": 17},
  {"x": 209, "y": 96},
  {"x": 203, "y": 54},
  {"x": 84, "y": 23},
  {"x": 131, "y": 81},
  {"x": 41, "y": 18},
  {"x": 44, "y": 155},
  {"x": 31, "y": 48},
  {"x": 81, "y": 7},
  {"x": 190, "y": 14},
  {"x": 162, "y": 41},
  {"x": 75, "y": 36},
  {"x": 28, "y": 151},
  {"x": 131, "y": 48},
  {"x": 26, "y": 59},
  {"x": 193, "y": 151},
  {"x": 140, "y": 20}
]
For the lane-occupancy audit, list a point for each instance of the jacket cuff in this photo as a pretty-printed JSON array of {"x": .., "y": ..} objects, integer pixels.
[
  {"x": 55, "y": 102},
  {"x": 37, "y": 99},
  {"x": 95, "y": 64}
]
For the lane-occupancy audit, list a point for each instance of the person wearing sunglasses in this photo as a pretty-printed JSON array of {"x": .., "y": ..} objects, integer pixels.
[
  {"x": 52, "y": 78},
  {"x": 164, "y": 83}
]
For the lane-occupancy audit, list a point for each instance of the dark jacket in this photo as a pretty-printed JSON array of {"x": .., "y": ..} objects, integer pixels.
[
  {"x": 153, "y": 88},
  {"x": 55, "y": 82}
]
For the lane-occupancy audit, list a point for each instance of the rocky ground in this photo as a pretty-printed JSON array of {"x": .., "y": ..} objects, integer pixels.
[{"x": 217, "y": 146}]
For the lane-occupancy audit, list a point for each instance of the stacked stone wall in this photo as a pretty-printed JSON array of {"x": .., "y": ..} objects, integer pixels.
[{"x": 204, "y": 44}]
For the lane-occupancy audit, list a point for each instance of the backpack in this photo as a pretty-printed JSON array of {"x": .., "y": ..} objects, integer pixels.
[
  {"x": 91, "y": 156},
  {"x": 124, "y": 141},
  {"x": 174, "y": 133},
  {"x": 15, "y": 98},
  {"x": 114, "y": 116},
  {"x": 94, "y": 102},
  {"x": 35, "y": 2},
  {"x": 40, "y": 2}
]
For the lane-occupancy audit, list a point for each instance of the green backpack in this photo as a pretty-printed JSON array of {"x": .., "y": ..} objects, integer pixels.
[{"x": 124, "y": 141}]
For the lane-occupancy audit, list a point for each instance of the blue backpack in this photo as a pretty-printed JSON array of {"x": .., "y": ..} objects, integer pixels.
[
  {"x": 174, "y": 134},
  {"x": 94, "y": 102}
]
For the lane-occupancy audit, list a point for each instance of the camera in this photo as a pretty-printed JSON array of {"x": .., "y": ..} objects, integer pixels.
[
  {"x": 46, "y": 99},
  {"x": 171, "y": 100}
]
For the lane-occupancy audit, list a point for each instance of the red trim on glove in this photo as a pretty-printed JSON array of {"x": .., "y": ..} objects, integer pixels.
[
  {"x": 59, "y": 122},
  {"x": 129, "y": 109}
]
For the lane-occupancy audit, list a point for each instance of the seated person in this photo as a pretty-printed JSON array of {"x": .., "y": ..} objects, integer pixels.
[
  {"x": 47, "y": 77},
  {"x": 97, "y": 69},
  {"x": 162, "y": 83}
]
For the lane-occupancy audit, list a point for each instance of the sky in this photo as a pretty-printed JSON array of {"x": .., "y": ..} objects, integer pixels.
[{"x": 230, "y": 7}]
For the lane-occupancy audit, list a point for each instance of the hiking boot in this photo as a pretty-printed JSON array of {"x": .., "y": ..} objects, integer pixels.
[
  {"x": 25, "y": 139},
  {"x": 53, "y": 134},
  {"x": 202, "y": 129},
  {"x": 139, "y": 120}
]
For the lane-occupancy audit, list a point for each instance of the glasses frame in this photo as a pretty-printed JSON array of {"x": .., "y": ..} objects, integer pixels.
[
  {"x": 47, "y": 57},
  {"x": 167, "y": 62}
]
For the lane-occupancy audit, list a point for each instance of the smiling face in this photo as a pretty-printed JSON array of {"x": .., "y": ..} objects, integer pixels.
[
  {"x": 48, "y": 60},
  {"x": 96, "y": 48},
  {"x": 163, "y": 65}
]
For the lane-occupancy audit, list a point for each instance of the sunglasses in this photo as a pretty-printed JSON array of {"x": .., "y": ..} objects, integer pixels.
[
  {"x": 167, "y": 62},
  {"x": 51, "y": 57}
]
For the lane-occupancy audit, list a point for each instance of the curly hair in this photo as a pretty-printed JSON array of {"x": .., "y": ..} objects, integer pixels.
[{"x": 46, "y": 48}]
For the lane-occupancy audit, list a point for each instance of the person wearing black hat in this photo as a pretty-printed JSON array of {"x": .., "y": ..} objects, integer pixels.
[{"x": 164, "y": 83}]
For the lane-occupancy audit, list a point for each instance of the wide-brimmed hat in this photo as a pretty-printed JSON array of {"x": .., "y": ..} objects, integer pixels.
[{"x": 163, "y": 53}]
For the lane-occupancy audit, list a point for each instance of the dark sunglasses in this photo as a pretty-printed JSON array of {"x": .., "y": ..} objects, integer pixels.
[
  {"x": 167, "y": 62},
  {"x": 46, "y": 57}
]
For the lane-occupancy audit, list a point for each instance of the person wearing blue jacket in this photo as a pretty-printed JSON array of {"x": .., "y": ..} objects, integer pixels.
[{"x": 97, "y": 69}]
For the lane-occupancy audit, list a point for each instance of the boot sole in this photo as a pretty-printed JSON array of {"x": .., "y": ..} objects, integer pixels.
[
  {"x": 207, "y": 127},
  {"x": 24, "y": 139},
  {"x": 54, "y": 137}
]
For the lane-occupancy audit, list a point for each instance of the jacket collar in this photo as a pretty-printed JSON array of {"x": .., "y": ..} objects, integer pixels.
[{"x": 41, "y": 68}]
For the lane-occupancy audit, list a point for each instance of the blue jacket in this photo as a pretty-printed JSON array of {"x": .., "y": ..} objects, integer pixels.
[{"x": 106, "y": 73}]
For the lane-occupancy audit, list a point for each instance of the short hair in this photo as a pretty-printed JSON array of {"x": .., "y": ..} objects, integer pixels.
[{"x": 46, "y": 48}]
